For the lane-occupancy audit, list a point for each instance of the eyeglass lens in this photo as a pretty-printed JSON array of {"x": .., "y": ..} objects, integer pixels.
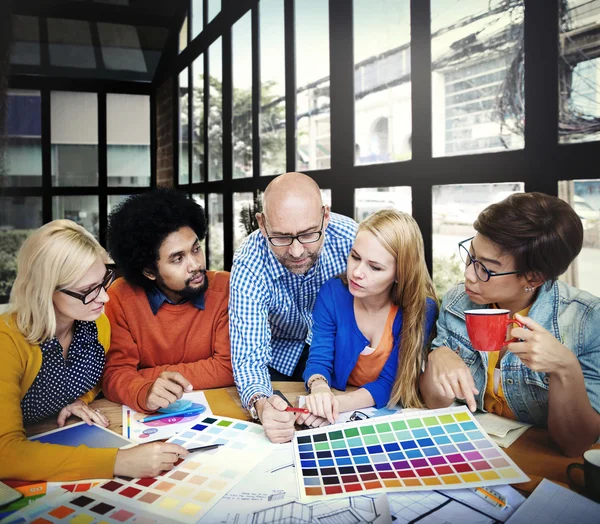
[{"x": 480, "y": 270}]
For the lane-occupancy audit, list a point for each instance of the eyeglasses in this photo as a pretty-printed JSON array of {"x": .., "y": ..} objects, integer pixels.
[
  {"x": 482, "y": 272},
  {"x": 93, "y": 293},
  {"x": 358, "y": 415},
  {"x": 304, "y": 238}
]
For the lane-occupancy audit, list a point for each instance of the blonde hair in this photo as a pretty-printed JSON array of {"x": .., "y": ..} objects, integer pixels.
[
  {"x": 53, "y": 257},
  {"x": 400, "y": 235}
]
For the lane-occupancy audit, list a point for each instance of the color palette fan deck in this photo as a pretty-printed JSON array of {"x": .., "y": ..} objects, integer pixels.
[
  {"x": 189, "y": 490},
  {"x": 436, "y": 449}
]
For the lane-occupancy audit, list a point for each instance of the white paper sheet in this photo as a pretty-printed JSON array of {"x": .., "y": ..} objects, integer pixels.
[
  {"x": 551, "y": 503},
  {"x": 503, "y": 431}
]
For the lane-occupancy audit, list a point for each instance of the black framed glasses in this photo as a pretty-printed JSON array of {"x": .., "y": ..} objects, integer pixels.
[
  {"x": 482, "y": 272},
  {"x": 304, "y": 238},
  {"x": 92, "y": 294},
  {"x": 358, "y": 415}
]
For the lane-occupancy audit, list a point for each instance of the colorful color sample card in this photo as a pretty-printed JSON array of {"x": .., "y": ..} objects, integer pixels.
[
  {"x": 188, "y": 491},
  {"x": 77, "y": 434},
  {"x": 437, "y": 449},
  {"x": 167, "y": 426},
  {"x": 90, "y": 508}
]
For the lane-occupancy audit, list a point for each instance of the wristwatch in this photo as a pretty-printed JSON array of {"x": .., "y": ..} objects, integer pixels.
[{"x": 252, "y": 405}]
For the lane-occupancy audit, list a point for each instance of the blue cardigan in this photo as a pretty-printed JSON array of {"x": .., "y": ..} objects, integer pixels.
[{"x": 337, "y": 341}]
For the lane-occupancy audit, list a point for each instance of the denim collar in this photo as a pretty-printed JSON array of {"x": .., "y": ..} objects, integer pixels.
[{"x": 157, "y": 298}]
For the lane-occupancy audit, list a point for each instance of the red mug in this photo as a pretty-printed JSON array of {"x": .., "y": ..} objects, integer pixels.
[{"x": 487, "y": 328}]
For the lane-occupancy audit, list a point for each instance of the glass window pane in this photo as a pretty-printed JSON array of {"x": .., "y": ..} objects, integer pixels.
[
  {"x": 113, "y": 201},
  {"x": 197, "y": 17},
  {"x": 578, "y": 72},
  {"x": 242, "y": 97},
  {"x": 215, "y": 231},
  {"x": 477, "y": 79},
  {"x": 184, "y": 164},
  {"x": 215, "y": 115},
  {"x": 244, "y": 221},
  {"x": 18, "y": 217},
  {"x": 312, "y": 85},
  {"x": 23, "y": 153},
  {"x": 26, "y": 46},
  {"x": 584, "y": 196},
  {"x": 454, "y": 209},
  {"x": 199, "y": 199},
  {"x": 80, "y": 209},
  {"x": 128, "y": 139},
  {"x": 198, "y": 116},
  {"x": 74, "y": 138},
  {"x": 183, "y": 35},
  {"x": 70, "y": 43},
  {"x": 272, "y": 89},
  {"x": 214, "y": 8},
  {"x": 121, "y": 48},
  {"x": 370, "y": 199},
  {"x": 326, "y": 197},
  {"x": 382, "y": 84}
]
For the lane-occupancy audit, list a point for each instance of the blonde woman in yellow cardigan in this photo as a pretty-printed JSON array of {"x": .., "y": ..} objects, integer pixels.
[{"x": 53, "y": 342}]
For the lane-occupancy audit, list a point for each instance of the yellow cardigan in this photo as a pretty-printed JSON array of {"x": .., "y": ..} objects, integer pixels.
[{"x": 20, "y": 362}]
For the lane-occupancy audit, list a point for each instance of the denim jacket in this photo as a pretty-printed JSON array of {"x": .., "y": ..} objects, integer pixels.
[{"x": 571, "y": 315}]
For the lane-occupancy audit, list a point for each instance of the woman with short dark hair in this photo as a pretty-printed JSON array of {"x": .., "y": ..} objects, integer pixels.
[{"x": 551, "y": 376}]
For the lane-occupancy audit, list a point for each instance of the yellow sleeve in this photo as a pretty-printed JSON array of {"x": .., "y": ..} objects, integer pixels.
[
  {"x": 103, "y": 326},
  {"x": 25, "y": 460}
]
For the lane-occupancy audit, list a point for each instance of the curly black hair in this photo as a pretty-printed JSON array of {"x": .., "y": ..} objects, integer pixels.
[{"x": 138, "y": 226}]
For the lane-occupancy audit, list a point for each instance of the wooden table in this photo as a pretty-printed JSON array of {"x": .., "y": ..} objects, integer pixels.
[{"x": 534, "y": 452}]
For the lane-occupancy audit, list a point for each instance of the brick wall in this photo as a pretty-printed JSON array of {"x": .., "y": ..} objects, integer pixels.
[{"x": 164, "y": 135}]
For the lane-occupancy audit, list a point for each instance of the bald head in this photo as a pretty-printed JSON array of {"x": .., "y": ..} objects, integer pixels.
[{"x": 291, "y": 190}]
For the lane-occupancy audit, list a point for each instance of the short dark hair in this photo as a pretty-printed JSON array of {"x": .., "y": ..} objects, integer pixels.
[
  {"x": 138, "y": 226},
  {"x": 541, "y": 232}
]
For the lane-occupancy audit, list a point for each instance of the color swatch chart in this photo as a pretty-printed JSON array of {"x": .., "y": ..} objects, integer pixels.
[
  {"x": 91, "y": 508},
  {"x": 434, "y": 449},
  {"x": 189, "y": 490}
]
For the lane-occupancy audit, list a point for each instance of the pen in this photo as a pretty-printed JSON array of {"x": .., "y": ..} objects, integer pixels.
[
  {"x": 491, "y": 496},
  {"x": 174, "y": 414},
  {"x": 297, "y": 410},
  {"x": 204, "y": 448}
]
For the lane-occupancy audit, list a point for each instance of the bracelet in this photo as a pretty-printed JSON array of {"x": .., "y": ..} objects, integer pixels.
[{"x": 314, "y": 378}]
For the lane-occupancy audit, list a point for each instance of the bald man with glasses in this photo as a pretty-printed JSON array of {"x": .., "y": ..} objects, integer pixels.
[{"x": 276, "y": 276}]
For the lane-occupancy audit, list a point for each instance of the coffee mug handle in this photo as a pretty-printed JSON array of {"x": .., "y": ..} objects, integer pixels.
[
  {"x": 513, "y": 321},
  {"x": 571, "y": 467}
]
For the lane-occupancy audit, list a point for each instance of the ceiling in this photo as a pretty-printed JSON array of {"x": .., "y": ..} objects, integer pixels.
[{"x": 94, "y": 39}]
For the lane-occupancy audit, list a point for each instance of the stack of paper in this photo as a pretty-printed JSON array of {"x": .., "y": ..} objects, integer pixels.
[{"x": 503, "y": 431}]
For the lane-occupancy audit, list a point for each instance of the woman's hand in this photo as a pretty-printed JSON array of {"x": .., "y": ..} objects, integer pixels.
[
  {"x": 451, "y": 376},
  {"x": 322, "y": 402},
  {"x": 540, "y": 350},
  {"x": 148, "y": 460},
  {"x": 80, "y": 409}
]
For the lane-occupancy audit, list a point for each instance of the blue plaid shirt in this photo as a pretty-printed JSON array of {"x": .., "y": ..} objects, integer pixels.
[{"x": 270, "y": 308}]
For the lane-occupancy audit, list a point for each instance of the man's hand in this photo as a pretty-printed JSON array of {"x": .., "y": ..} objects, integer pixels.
[
  {"x": 278, "y": 423},
  {"x": 167, "y": 388}
]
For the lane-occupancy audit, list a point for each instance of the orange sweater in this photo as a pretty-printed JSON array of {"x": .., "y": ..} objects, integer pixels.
[{"x": 180, "y": 338}]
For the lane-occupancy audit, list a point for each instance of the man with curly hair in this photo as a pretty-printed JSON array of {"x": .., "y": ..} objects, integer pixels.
[{"x": 168, "y": 315}]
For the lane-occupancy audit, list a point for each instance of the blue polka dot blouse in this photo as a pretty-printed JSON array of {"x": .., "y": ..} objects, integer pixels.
[{"x": 61, "y": 381}]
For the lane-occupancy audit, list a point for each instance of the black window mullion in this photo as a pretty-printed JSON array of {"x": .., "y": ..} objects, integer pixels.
[
  {"x": 256, "y": 93},
  {"x": 175, "y": 128},
  {"x": 541, "y": 97},
  {"x": 420, "y": 59},
  {"x": 102, "y": 164},
  {"x": 153, "y": 138},
  {"x": 290, "y": 85},
  {"x": 46, "y": 156},
  {"x": 341, "y": 84},
  {"x": 227, "y": 112},
  {"x": 190, "y": 130}
]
